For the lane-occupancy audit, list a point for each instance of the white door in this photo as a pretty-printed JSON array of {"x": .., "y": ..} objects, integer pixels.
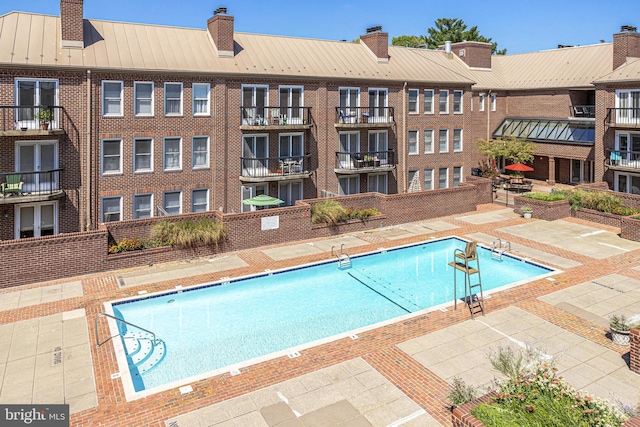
[
  {"x": 249, "y": 191},
  {"x": 349, "y": 146},
  {"x": 35, "y": 220},
  {"x": 41, "y": 159},
  {"x": 255, "y": 150}
]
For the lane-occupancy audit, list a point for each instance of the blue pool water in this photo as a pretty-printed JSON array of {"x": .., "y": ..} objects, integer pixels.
[{"x": 212, "y": 327}]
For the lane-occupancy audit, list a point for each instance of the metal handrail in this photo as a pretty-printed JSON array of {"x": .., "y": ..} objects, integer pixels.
[{"x": 98, "y": 344}]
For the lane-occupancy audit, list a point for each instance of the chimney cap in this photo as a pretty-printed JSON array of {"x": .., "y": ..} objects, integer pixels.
[
  {"x": 374, "y": 29},
  {"x": 220, "y": 11},
  {"x": 628, "y": 29}
]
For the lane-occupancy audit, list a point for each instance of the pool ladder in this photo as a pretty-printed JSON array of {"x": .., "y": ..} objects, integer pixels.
[
  {"x": 342, "y": 255},
  {"x": 472, "y": 293},
  {"x": 498, "y": 248}
]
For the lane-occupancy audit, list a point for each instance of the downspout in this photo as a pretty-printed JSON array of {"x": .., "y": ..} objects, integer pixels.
[
  {"x": 88, "y": 165},
  {"x": 404, "y": 139},
  {"x": 489, "y": 115}
]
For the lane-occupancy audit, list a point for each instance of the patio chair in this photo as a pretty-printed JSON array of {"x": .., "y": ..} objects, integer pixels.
[
  {"x": 615, "y": 158},
  {"x": 13, "y": 185}
]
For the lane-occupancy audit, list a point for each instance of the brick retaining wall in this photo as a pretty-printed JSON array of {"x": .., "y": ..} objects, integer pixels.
[{"x": 549, "y": 211}]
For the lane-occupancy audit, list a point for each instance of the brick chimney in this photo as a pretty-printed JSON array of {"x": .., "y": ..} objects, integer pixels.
[
  {"x": 71, "y": 23},
  {"x": 377, "y": 42},
  {"x": 474, "y": 54},
  {"x": 221, "y": 30},
  {"x": 626, "y": 44}
]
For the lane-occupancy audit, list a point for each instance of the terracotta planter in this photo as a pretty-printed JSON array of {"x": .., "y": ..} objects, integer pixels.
[
  {"x": 619, "y": 337},
  {"x": 44, "y": 126}
]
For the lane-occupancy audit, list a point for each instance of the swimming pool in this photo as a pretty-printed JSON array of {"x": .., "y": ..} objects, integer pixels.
[{"x": 212, "y": 329}]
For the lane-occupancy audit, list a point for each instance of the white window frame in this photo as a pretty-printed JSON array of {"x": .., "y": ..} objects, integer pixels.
[
  {"x": 447, "y": 177},
  {"x": 121, "y": 113},
  {"x": 440, "y": 150},
  {"x": 164, "y": 154},
  {"x": 350, "y": 111},
  {"x": 194, "y": 99},
  {"x": 135, "y": 154},
  {"x": 460, "y": 148},
  {"x": 348, "y": 179},
  {"x": 382, "y": 110},
  {"x": 494, "y": 101},
  {"x": 432, "y": 132},
  {"x": 428, "y": 173},
  {"x": 206, "y": 190},
  {"x": 137, "y": 197},
  {"x": 460, "y": 106},
  {"x": 193, "y": 152},
  {"x": 102, "y": 213},
  {"x": 102, "y": 157},
  {"x": 288, "y": 110},
  {"x": 373, "y": 177},
  {"x": 416, "y": 145},
  {"x": 460, "y": 178},
  {"x": 136, "y": 100},
  {"x": 444, "y": 92},
  {"x": 252, "y": 190},
  {"x": 630, "y": 186},
  {"x": 432, "y": 96},
  {"x": 481, "y": 101},
  {"x": 164, "y": 201},
  {"x": 416, "y": 110},
  {"x": 167, "y": 99},
  {"x": 252, "y": 104},
  {"x": 382, "y": 147},
  {"x": 31, "y": 117}
]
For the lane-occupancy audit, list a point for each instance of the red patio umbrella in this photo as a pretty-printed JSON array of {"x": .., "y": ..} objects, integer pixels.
[{"x": 519, "y": 167}]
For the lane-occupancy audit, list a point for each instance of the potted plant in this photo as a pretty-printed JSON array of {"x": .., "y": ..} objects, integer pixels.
[
  {"x": 526, "y": 212},
  {"x": 368, "y": 161},
  {"x": 45, "y": 116},
  {"x": 620, "y": 327}
]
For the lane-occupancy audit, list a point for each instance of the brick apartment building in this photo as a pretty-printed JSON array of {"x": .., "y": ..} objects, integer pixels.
[{"x": 147, "y": 120}]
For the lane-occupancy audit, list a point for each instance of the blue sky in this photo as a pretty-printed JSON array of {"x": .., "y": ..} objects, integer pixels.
[{"x": 518, "y": 25}]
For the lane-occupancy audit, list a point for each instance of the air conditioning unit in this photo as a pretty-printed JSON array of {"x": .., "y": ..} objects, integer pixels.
[{"x": 462, "y": 53}]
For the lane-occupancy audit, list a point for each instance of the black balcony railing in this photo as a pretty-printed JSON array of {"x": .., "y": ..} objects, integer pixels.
[
  {"x": 624, "y": 116},
  {"x": 582, "y": 111},
  {"x": 275, "y": 116},
  {"x": 364, "y": 115},
  {"x": 30, "y": 117},
  {"x": 17, "y": 184},
  {"x": 366, "y": 160},
  {"x": 273, "y": 167},
  {"x": 623, "y": 159}
]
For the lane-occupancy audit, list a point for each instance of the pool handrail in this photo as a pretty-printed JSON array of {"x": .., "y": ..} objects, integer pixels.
[{"x": 98, "y": 343}]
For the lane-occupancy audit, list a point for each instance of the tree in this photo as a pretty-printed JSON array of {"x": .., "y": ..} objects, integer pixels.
[
  {"x": 515, "y": 149},
  {"x": 447, "y": 29}
]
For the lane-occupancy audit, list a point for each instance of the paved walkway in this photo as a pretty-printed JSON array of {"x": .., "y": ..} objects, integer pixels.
[{"x": 388, "y": 376}]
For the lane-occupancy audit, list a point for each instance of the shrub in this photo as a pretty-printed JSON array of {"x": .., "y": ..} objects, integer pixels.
[
  {"x": 547, "y": 197},
  {"x": 133, "y": 244},
  {"x": 352, "y": 213},
  {"x": 461, "y": 392},
  {"x": 327, "y": 212},
  {"x": 619, "y": 322},
  {"x": 189, "y": 233}
]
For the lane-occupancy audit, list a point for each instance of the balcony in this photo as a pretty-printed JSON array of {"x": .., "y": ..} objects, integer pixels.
[
  {"x": 582, "y": 111},
  {"x": 364, "y": 117},
  {"x": 32, "y": 120},
  {"x": 37, "y": 186},
  {"x": 275, "y": 118},
  {"x": 623, "y": 160},
  {"x": 367, "y": 162},
  {"x": 623, "y": 118},
  {"x": 275, "y": 168}
]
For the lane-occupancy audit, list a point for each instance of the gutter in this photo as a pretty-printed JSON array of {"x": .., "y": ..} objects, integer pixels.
[{"x": 405, "y": 176}]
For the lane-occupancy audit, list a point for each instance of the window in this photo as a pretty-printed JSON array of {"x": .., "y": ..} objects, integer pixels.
[
  {"x": 414, "y": 181},
  {"x": 444, "y": 101},
  {"x": 291, "y": 104},
  {"x": 444, "y": 140},
  {"x": 413, "y": 101},
  {"x": 377, "y": 183},
  {"x": 428, "y": 101},
  {"x": 173, "y": 99},
  {"x": 30, "y": 92},
  {"x": 111, "y": 98},
  {"x": 172, "y": 154},
  {"x": 378, "y": 146},
  {"x": 173, "y": 202},
  {"x": 428, "y": 141},
  {"x": 200, "y": 152},
  {"x": 481, "y": 102},
  {"x": 348, "y": 185},
  {"x": 111, "y": 156},
  {"x": 428, "y": 179},
  {"x": 413, "y": 142},
  {"x": 457, "y": 175},
  {"x": 290, "y": 192},
  {"x": 255, "y": 100},
  {"x": 199, "y": 200},
  {"x": 143, "y": 94},
  {"x": 143, "y": 155},
  {"x": 627, "y": 183},
  {"x": 457, "y": 102},
  {"x": 200, "y": 92},
  {"x": 377, "y": 105},
  {"x": 443, "y": 178},
  {"x": 348, "y": 103},
  {"x": 142, "y": 205},
  {"x": 457, "y": 140},
  {"x": 111, "y": 209},
  {"x": 291, "y": 146},
  {"x": 255, "y": 150},
  {"x": 349, "y": 146},
  {"x": 493, "y": 102}
]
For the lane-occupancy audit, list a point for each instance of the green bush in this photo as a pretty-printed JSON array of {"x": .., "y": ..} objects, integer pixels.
[
  {"x": 461, "y": 392},
  {"x": 332, "y": 212},
  {"x": 133, "y": 244},
  {"x": 547, "y": 197},
  {"x": 596, "y": 200},
  {"x": 189, "y": 233}
]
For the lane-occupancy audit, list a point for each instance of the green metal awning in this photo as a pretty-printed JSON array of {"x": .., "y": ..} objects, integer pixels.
[{"x": 562, "y": 131}]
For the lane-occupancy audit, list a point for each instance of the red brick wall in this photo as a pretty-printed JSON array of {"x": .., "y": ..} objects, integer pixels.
[
  {"x": 476, "y": 54},
  {"x": 71, "y": 20},
  {"x": 378, "y": 42},
  {"x": 549, "y": 211},
  {"x": 625, "y": 45},
  {"x": 221, "y": 30},
  {"x": 461, "y": 416}
]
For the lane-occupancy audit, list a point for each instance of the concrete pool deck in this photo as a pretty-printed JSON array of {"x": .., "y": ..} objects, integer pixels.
[{"x": 389, "y": 376}]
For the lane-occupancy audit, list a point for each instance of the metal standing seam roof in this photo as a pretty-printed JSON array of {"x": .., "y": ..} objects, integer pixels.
[
  {"x": 628, "y": 72},
  {"x": 548, "y": 130}
]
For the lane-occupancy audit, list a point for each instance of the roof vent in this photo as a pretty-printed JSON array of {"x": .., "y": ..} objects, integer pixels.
[
  {"x": 220, "y": 11},
  {"x": 374, "y": 29},
  {"x": 628, "y": 29},
  {"x": 562, "y": 46},
  {"x": 447, "y": 46},
  {"x": 462, "y": 53}
]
